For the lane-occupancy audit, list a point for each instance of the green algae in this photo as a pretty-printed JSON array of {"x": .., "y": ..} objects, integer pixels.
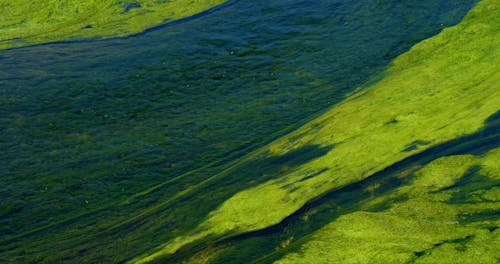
[
  {"x": 426, "y": 228},
  {"x": 426, "y": 96},
  {"x": 269, "y": 244},
  {"x": 25, "y": 22},
  {"x": 69, "y": 243},
  {"x": 138, "y": 131}
]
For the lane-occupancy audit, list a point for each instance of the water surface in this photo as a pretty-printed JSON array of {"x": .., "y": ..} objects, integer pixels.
[{"x": 86, "y": 125}]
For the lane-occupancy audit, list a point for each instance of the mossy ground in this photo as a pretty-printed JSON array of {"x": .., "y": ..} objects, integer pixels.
[
  {"x": 90, "y": 133},
  {"x": 443, "y": 88},
  {"x": 25, "y": 22},
  {"x": 425, "y": 228}
]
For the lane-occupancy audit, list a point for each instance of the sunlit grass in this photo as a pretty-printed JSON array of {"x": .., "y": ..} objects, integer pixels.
[
  {"x": 429, "y": 227},
  {"x": 25, "y": 22},
  {"x": 443, "y": 88}
]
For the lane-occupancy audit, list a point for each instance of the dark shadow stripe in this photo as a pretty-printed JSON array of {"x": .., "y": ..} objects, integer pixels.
[{"x": 350, "y": 197}]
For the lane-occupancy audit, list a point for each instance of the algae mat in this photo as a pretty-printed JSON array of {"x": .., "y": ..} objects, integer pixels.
[
  {"x": 449, "y": 214},
  {"x": 140, "y": 149},
  {"x": 25, "y": 23},
  {"x": 443, "y": 88}
]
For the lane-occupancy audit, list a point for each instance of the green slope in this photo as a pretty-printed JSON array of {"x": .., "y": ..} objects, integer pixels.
[
  {"x": 443, "y": 88},
  {"x": 83, "y": 148},
  {"x": 447, "y": 216},
  {"x": 26, "y": 22}
]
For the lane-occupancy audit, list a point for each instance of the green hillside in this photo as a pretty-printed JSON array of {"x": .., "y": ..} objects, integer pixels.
[
  {"x": 445, "y": 87},
  {"x": 266, "y": 132},
  {"x": 25, "y": 22}
]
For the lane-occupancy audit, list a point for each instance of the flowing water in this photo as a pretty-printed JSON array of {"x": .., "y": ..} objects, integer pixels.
[{"x": 86, "y": 126}]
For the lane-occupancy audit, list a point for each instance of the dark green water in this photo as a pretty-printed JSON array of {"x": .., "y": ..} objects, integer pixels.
[{"x": 86, "y": 125}]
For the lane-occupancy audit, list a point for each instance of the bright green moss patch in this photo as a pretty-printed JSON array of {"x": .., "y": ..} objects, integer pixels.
[
  {"x": 443, "y": 88},
  {"x": 26, "y": 22},
  {"x": 430, "y": 178},
  {"x": 479, "y": 249},
  {"x": 426, "y": 228}
]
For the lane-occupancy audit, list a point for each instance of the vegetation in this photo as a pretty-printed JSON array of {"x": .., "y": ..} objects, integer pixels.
[
  {"x": 433, "y": 224},
  {"x": 143, "y": 150},
  {"x": 443, "y": 88},
  {"x": 55, "y": 20}
]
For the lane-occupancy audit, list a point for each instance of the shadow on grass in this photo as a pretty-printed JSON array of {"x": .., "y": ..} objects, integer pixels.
[{"x": 274, "y": 242}]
